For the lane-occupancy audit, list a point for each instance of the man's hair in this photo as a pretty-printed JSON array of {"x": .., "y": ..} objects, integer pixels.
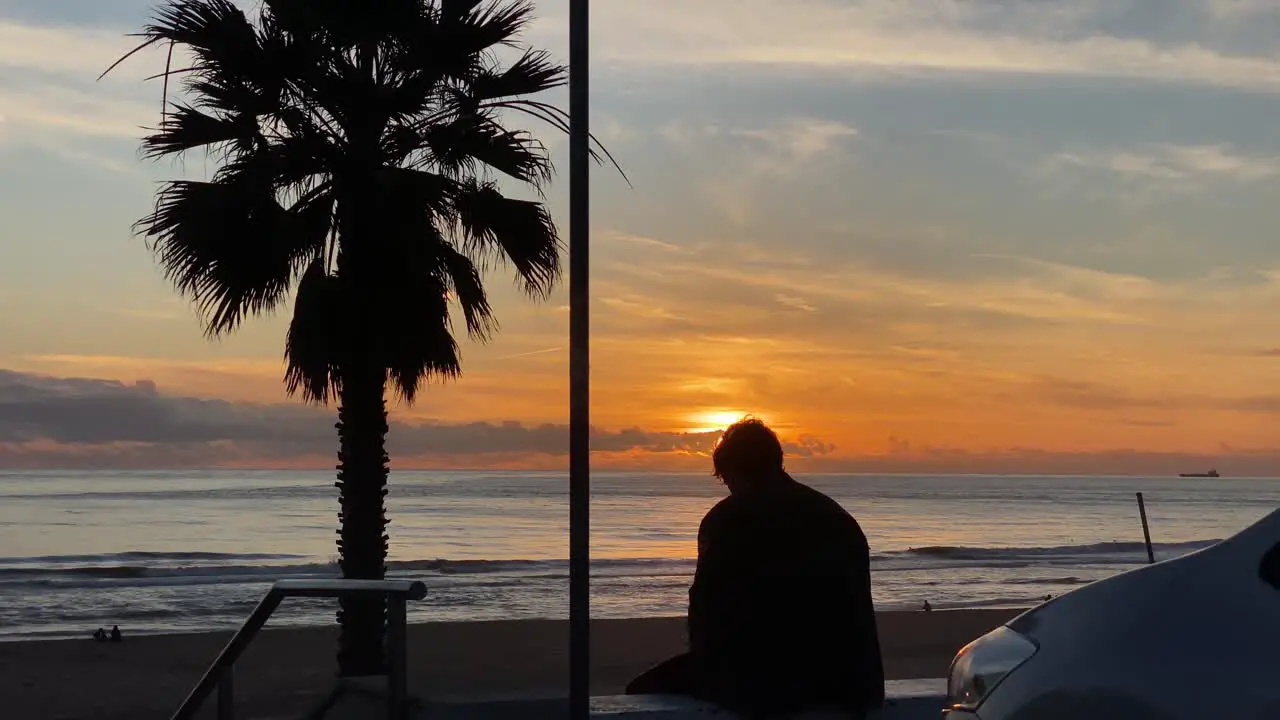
[{"x": 747, "y": 447}]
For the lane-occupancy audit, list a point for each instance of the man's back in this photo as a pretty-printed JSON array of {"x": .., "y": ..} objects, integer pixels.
[{"x": 780, "y": 611}]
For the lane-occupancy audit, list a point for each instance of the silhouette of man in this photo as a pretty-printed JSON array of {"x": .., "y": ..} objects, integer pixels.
[{"x": 780, "y": 613}]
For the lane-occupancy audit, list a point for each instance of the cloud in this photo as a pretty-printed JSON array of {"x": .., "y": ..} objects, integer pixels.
[
  {"x": 997, "y": 294},
  {"x": 646, "y": 242},
  {"x": 749, "y": 162},
  {"x": 48, "y": 65},
  {"x": 1173, "y": 166},
  {"x": 794, "y": 302},
  {"x": 1203, "y": 41},
  {"x": 1234, "y": 462},
  {"x": 60, "y": 49},
  {"x": 794, "y": 145},
  {"x": 74, "y": 422},
  {"x": 48, "y": 77},
  {"x": 1099, "y": 397},
  {"x": 782, "y": 147},
  {"x": 75, "y": 419},
  {"x": 740, "y": 294},
  {"x": 1189, "y": 41}
]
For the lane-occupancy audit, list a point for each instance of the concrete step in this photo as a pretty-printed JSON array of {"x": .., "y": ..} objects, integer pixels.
[{"x": 906, "y": 700}]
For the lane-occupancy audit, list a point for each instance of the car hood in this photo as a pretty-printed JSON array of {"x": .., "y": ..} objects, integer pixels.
[{"x": 1200, "y": 583}]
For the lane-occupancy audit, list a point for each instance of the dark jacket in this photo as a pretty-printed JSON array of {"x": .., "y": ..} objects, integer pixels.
[{"x": 780, "y": 613}]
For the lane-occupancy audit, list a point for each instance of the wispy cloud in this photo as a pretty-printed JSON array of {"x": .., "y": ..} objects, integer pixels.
[
  {"x": 47, "y": 70},
  {"x": 532, "y": 353},
  {"x": 891, "y": 37},
  {"x": 756, "y": 159},
  {"x": 794, "y": 302},
  {"x": 1040, "y": 291},
  {"x": 67, "y": 49},
  {"x": 52, "y": 102},
  {"x": 1177, "y": 166},
  {"x": 793, "y": 145},
  {"x": 646, "y": 242}
]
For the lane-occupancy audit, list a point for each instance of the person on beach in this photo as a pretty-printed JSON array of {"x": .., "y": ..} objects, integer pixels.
[{"x": 780, "y": 613}]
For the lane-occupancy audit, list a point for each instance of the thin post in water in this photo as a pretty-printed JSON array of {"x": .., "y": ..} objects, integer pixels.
[
  {"x": 579, "y": 366},
  {"x": 1146, "y": 531}
]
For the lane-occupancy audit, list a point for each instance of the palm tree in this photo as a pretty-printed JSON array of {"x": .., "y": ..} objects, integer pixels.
[{"x": 360, "y": 146}]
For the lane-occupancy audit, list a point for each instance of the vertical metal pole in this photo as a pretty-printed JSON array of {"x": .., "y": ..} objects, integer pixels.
[
  {"x": 579, "y": 365},
  {"x": 227, "y": 693},
  {"x": 397, "y": 659},
  {"x": 1146, "y": 531}
]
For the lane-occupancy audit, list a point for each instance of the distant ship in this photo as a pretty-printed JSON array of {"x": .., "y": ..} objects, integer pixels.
[{"x": 1210, "y": 474}]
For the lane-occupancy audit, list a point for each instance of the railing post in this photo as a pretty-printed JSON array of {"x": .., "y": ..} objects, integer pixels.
[
  {"x": 226, "y": 694},
  {"x": 397, "y": 593},
  {"x": 397, "y": 659}
]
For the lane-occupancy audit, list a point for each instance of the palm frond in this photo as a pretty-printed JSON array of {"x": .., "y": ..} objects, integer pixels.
[
  {"x": 419, "y": 191},
  {"x": 214, "y": 30},
  {"x": 311, "y": 349},
  {"x": 186, "y": 128},
  {"x": 415, "y": 206},
  {"x": 534, "y": 72},
  {"x": 148, "y": 42},
  {"x": 292, "y": 162},
  {"x": 415, "y": 337},
  {"x": 492, "y": 24},
  {"x": 458, "y": 147},
  {"x": 424, "y": 347},
  {"x": 559, "y": 119},
  {"x": 233, "y": 71},
  {"x": 466, "y": 284},
  {"x": 517, "y": 231},
  {"x": 230, "y": 247}
]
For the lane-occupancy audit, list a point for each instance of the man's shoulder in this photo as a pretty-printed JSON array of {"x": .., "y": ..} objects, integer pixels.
[
  {"x": 820, "y": 504},
  {"x": 727, "y": 508},
  {"x": 819, "y": 498}
]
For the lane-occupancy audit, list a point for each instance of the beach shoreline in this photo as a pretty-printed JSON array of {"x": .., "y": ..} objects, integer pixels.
[{"x": 287, "y": 670}]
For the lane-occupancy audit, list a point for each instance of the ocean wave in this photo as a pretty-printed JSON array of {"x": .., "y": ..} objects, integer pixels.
[
  {"x": 144, "y": 556},
  {"x": 176, "y": 568},
  {"x": 1075, "y": 552},
  {"x": 160, "y": 569}
]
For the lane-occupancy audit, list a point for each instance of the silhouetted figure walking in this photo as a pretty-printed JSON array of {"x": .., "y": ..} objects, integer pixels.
[
  {"x": 926, "y": 607},
  {"x": 780, "y": 613}
]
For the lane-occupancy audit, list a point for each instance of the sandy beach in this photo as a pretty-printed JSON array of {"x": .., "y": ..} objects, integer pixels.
[{"x": 287, "y": 670}]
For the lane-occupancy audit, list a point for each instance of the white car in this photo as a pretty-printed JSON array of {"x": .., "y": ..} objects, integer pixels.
[{"x": 1193, "y": 638}]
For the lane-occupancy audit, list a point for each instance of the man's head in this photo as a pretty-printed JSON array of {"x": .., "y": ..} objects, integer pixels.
[{"x": 748, "y": 455}]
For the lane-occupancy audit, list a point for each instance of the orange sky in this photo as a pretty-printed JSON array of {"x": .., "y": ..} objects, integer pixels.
[{"x": 1033, "y": 259}]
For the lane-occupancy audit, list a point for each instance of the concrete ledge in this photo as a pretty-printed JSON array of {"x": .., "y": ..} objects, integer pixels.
[{"x": 906, "y": 700}]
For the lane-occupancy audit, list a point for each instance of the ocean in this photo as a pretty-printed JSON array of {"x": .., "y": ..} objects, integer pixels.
[{"x": 188, "y": 551}]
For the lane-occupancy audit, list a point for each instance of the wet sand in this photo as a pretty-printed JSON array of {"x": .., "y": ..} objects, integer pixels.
[{"x": 287, "y": 671}]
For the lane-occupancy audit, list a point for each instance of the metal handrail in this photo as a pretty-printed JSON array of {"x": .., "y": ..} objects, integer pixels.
[{"x": 396, "y": 592}]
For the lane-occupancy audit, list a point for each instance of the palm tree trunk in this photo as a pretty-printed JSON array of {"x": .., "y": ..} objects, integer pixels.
[{"x": 362, "y": 489}]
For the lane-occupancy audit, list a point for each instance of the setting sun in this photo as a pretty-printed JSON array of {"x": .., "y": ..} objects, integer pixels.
[{"x": 714, "y": 420}]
